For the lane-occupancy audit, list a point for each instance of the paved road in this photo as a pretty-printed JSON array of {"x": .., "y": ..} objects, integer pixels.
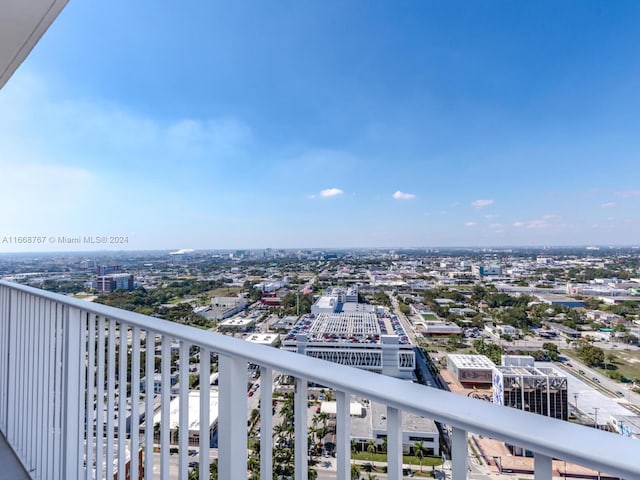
[{"x": 406, "y": 324}]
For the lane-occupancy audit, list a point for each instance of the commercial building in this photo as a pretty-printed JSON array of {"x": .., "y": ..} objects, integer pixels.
[
  {"x": 557, "y": 299},
  {"x": 471, "y": 369},
  {"x": 334, "y": 300},
  {"x": 225, "y": 307},
  {"x": 193, "y": 424},
  {"x": 371, "y": 425},
  {"x": 237, "y": 324},
  {"x": 353, "y": 334},
  {"x": 114, "y": 281},
  {"x": 482, "y": 271},
  {"x": 268, "y": 339},
  {"x": 435, "y": 327},
  {"x": 541, "y": 390}
]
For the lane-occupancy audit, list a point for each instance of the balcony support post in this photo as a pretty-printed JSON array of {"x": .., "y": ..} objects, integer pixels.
[
  {"x": 183, "y": 432},
  {"x": 543, "y": 467},
  {"x": 343, "y": 435},
  {"x": 72, "y": 364},
  {"x": 232, "y": 438},
  {"x": 394, "y": 443},
  {"x": 300, "y": 430},
  {"x": 266, "y": 423},
  {"x": 205, "y": 393},
  {"x": 459, "y": 454}
]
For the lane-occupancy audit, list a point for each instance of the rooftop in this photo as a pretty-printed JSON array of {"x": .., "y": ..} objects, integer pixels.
[
  {"x": 471, "y": 361},
  {"x": 351, "y": 327}
]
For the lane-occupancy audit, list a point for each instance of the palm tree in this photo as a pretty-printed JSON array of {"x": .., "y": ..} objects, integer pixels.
[
  {"x": 371, "y": 448},
  {"x": 354, "y": 445},
  {"x": 355, "y": 472},
  {"x": 419, "y": 452}
]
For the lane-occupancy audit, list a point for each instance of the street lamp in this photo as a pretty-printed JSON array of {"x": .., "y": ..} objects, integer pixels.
[
  {"x": 595, "y": 409},
  {"x": 575, "y": 399}
]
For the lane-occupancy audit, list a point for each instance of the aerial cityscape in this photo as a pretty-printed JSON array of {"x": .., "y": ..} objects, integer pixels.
[
  {"x": 550, "y": 331},
  {"x": 355, "y": 240}
]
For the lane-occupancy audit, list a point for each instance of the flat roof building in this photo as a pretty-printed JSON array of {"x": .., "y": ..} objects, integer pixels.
[
  {"x": 193, "y": 425},
  {"x": 371, "y": 424},
  {"x": 357, "y": 337},
  {"x": 476, "y": 369},
  {"x": 237, "y": 324},
  {"x": 268, "y": 339},
  {"x": 435, "y": 327},
  {"x": 541, "y": 390}
]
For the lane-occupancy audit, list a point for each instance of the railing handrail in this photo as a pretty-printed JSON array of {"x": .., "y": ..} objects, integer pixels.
[{"x": 585, "y": 446}]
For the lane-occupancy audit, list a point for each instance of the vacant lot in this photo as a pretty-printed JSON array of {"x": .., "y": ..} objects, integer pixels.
[
  {"x": 627, "y": 362},
  {"x": 224, "y": 292}
]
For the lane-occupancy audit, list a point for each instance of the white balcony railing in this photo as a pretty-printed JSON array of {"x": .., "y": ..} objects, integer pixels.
[{"x": 62, "y": 360}]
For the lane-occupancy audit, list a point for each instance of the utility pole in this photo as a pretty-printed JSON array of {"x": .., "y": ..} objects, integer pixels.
[
  {"x": 575, "y": 399},
  {"x": 596, "y": 416}
]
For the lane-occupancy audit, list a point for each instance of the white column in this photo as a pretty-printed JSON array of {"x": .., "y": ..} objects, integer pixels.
[
  {"x": 100, "y": 368},
  {"x": 343, "y": 435},
  {"x": 135, "y": 403},
  {"x": 73, "y": 336},
  {"x": 459, "y": 454},
  {"x": 149, "y": 393},
  {"x": 300, "y": 429},
  {"x": 183, "y": 432},
  {"x": 266, "y": 423},
  {"x": 123, "y": 332},
  {"x": 543, "y": 467},
  {"x": 165, "y": 407},
  {"x": 394, "y": 443},
  {"x": 232, "y": 418},
  {"x": 205, "y": 392},
  {"x": 111, "y": 397}
]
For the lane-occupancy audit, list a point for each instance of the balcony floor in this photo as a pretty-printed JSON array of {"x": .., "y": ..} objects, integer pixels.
[{"x": 11, "y": 467}]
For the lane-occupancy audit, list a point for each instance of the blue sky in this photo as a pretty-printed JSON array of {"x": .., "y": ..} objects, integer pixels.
[{"x": 327, "y": 124}]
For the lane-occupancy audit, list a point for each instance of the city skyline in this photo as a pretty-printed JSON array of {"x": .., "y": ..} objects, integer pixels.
[{"x": 356, "y": 124}]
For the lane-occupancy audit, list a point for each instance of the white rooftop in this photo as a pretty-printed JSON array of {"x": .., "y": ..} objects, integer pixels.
[
  {"x": 471, "y": 361},
  {"x": 194, "y": 410}
]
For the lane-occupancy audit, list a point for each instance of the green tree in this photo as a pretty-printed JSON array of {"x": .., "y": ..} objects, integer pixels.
[
  {"x": 590, "y": 354},
  {"x": 419, "y": 450},
  {"x": 371, "y": 448}
]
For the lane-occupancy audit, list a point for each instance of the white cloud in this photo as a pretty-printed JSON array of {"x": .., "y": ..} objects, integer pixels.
[
  {"x": 331, "y": 192},
  {"x": 608, "y": 205},
  {"x": 482, "y": 203},
  {"x": 491, "y": 216},
  {"x": 403, "y": 196},
  {"x": 628, "y": 193},
  {"x": 545, "y": 221},
  {"x": 470, "y": 224},
  {"x": 496, "y": 226}
]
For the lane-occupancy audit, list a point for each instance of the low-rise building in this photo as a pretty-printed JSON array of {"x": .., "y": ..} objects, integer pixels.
[
  {"x": 237, "y": 324},
  {"x": 225, "y": 307},
  {"x": 440, "y": 328},
  {"x": 268, "y": 339},
  {"x": 471, "y": 369}
]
